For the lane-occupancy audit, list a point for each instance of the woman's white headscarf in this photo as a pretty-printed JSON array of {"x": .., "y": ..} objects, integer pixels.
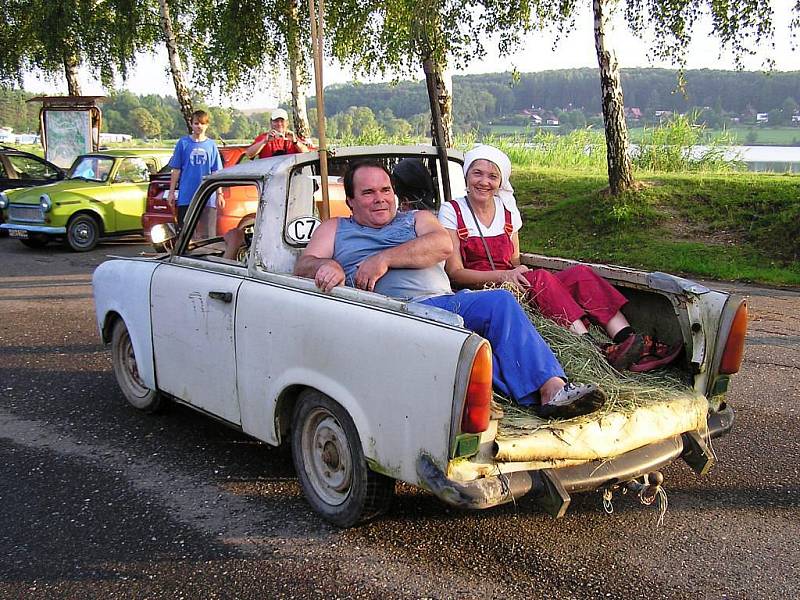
[{"x": 499, "y": 158}]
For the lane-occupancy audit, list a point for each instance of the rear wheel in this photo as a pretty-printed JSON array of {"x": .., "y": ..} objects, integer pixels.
[
  {"x": 331, "y": 466},
  {"x": 126, "y": 371},
  {"x": 36, "y": 240},
  {"x": 83, "y": 231}
]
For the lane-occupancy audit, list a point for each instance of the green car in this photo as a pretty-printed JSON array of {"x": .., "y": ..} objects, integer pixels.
[{"x": 104, "y": 194}]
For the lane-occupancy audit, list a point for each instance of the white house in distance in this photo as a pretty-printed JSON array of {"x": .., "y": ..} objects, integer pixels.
[{"x": 105, "y": 138}]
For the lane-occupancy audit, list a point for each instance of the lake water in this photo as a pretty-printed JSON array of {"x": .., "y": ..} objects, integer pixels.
[{"x": 778, "y": 159}]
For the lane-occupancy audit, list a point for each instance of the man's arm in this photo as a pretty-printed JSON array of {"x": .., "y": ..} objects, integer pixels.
[
  {"x": 432, "y": 245},
  {"x": 256, "y": 146},
  {"x": 317, "y": 262},
  {"x": 174, "y": 176}
]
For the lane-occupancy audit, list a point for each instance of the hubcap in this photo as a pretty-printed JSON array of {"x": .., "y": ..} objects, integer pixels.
[
  {"x": 326, "y": 456},
  {"x": 130, "y": 369},
  {"x": 82, "y": 233}
]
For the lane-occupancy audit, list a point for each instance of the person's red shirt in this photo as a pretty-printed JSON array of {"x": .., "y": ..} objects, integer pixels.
[{"x": 276, "y": 146}]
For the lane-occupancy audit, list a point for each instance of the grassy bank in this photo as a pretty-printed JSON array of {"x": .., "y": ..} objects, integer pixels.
[
  {"x": 733, "y": 226},
  {"x": 744, "y": 135}
]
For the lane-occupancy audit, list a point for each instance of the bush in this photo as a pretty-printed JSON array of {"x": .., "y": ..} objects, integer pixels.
[{"x": 681, "y": 145}]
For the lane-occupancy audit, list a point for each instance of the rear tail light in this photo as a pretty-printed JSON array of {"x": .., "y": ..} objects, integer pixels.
[
  {"x": 734, "y": 345},
  {"x": 477, "y": 404},
  {"x": 157, "y": 198}
]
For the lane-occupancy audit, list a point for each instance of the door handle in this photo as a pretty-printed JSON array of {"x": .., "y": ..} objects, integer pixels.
[{"x": 223, "y": 296}]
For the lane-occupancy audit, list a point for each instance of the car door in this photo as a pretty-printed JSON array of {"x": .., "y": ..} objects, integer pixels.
[
  {"x": 128, "y": 192},
  {"x": 193, "y": 303},
  {"x": 28, "y": 170}
]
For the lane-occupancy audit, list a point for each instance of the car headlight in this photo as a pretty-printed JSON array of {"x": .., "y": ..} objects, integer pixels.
[
  {"x": 162, "y": 233},
  {"x": 45, "y": 202},
  {"x": 3, "y": 200}
]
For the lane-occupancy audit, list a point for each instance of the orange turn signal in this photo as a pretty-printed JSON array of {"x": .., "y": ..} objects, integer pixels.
[
  {"x": 477, "y": 404},
  {"x": 734, "y": 346}
]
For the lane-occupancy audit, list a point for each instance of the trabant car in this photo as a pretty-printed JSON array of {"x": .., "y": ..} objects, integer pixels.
[
  {"x": 367, "y": 389},
  {"x": 103, "y": 195},
  {"x": 23, "y": 169}
]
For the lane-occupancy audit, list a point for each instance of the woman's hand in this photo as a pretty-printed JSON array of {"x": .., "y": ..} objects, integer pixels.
[{"x": 516, "y": 277}]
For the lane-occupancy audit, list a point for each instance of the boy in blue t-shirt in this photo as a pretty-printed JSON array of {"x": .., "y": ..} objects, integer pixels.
[{"x": 194, "y": 157}]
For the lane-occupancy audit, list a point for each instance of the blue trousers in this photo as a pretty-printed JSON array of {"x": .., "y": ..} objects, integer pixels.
[{"x": 522, "y": 360}]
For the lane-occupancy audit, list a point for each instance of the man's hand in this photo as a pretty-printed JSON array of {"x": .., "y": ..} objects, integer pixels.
[
  {"x": 171, "y": 197},
  {"x": 370, "y": 271},
  {"x": 234, "y": 239},
  {"x": 329, "y": 275}
]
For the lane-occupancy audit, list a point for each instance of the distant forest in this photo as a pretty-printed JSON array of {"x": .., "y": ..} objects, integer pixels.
[
  {"x": 480, "y": 99},
  {"x": 401, "y": 109}
]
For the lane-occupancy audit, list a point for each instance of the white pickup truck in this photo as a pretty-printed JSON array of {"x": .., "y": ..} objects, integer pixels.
[{"x": 369, "y": 390}]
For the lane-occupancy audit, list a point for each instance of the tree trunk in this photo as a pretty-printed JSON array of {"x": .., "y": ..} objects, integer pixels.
[
  {"x": 442, "y": 85},
  {"x": 297, "y": 73},
  {"x": 71, "y": 73},
  {"x": 620, "y": 172},
  {"x": 175, "y": 66}
]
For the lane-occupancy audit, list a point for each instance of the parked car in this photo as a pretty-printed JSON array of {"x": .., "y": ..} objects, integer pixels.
[
  {"x": 158, "y": 210},
  {"x": 23, "y": 169},
  {"x": 103, "y": 195},
  {"x": 368, "y": 389}
]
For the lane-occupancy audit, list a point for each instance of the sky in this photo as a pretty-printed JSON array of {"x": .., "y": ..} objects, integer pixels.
[{"x": 576, "y": 50}]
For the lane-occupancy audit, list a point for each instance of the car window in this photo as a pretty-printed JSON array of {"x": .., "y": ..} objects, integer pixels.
[
  {"x": 3, "y": 173},
  {"x": 92, "y": 168},
  {"x": 134, "y": 170},
  {"x": 304, "y": 203},
  {"x": 222, "y": 228},
  {"x": 27, "y": 167}
]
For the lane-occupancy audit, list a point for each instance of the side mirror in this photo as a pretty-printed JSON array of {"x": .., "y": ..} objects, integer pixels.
[{"x": 163, "y": 236}]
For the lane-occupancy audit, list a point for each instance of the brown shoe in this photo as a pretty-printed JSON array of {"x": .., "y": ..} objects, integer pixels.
[{"x": 621, "y": 356}]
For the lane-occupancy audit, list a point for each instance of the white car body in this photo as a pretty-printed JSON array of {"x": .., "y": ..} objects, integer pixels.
[{"x": 242, "y": 341}]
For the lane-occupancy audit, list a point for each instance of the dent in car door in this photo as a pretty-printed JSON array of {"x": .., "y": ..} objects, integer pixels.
[{"x": 193, "y": 337}]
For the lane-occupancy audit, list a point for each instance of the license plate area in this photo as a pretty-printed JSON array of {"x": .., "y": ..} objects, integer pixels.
[{"x": 19, "y": 234}]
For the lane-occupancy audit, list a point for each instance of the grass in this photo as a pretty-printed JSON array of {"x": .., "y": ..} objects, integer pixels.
[
  {"x": 743, "y": 135},
  {"x": 732, "y": 226}
]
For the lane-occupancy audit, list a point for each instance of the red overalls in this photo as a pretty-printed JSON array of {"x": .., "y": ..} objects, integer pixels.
[{"x": 564, "y": 297}]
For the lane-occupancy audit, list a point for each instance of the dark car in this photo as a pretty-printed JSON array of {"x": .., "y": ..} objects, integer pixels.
[{"x": 23, "y": 169}]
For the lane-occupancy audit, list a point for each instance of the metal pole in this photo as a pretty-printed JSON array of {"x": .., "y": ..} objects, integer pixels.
[
  {"x": 317, "y": 37},
  {"x": 438, "y": 129}
]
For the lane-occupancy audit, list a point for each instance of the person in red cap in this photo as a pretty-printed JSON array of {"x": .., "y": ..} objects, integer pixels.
[{"x": 278, "y": 140}]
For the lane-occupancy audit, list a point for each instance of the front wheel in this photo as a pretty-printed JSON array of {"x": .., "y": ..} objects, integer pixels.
[
  {"x": 331, "y": 466},
  {"x": 126, "y": 371},
  {"x": 82, "y": 233}
]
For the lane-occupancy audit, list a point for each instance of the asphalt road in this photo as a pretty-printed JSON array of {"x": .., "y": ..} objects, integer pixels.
[{"x": 100, "y": 501}]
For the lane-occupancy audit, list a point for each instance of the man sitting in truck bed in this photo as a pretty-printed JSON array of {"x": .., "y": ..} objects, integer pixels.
[{"x": 402, "y": 254}]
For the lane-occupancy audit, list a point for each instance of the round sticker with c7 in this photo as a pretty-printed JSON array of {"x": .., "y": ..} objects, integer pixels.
[{"x": 300, "y": 230}]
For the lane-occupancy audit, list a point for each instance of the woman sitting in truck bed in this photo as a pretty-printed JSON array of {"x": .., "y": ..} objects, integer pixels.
[{"x": 484, "y": 227}]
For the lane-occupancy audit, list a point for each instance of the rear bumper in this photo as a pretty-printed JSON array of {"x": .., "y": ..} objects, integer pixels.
[
  {"x": 35, "y": 228},
  {"x": 551, "y": 487}
]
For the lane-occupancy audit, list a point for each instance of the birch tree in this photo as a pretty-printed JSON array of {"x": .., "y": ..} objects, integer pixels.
[
  {"x": 57, "y": 38},
  {"x": 377, "y": 37},
  {"x": 246, "y": 42},
  {"x": 741, "y": 26}
]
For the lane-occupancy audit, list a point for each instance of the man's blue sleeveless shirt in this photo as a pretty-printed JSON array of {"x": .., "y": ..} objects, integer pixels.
[{"x": 355, "y": 243}]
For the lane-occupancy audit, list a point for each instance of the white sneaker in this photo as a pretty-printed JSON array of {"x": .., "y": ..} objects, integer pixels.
[{"x": 573, "y": 400}]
